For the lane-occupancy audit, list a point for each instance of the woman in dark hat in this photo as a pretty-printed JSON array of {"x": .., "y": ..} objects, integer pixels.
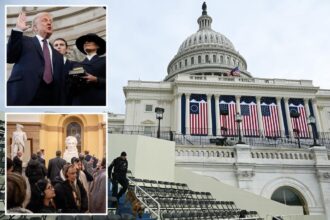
[{"x": 93, "y": 92}]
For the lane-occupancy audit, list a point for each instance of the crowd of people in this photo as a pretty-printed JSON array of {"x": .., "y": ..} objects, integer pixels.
[
  {"x": 43, "y": 68},
  {"x": 61, "y": 187}
]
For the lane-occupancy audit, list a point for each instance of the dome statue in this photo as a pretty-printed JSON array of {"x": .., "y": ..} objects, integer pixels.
[{"x": 71, "y": 148}]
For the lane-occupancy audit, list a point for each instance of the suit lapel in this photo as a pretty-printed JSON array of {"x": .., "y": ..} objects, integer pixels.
[
  {"x": 38, "y": 46},
  {"x": 54, "y": 60}
]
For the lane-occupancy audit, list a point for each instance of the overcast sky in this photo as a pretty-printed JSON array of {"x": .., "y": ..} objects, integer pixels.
[{"x": 277, "y": 38}]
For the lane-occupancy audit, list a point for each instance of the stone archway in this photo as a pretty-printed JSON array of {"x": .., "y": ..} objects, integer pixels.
[
  {"x": 290, "y": 196},
  {"x": 300, "y": 189}
]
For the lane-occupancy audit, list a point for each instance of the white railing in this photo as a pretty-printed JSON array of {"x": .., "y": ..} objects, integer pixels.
[
  {"x": 136, "y": 187},
  {"x": 261, "y": 81},
  {"x": 281, "y": 154}
]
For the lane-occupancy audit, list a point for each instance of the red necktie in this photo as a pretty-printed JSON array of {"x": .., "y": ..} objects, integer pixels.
[{"x": 48, "y": 76}]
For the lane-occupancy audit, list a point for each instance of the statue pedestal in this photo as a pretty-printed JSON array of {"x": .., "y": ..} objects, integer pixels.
[
  {"x": 27, "y": 153},
  {"x": 69, "y": 154}
]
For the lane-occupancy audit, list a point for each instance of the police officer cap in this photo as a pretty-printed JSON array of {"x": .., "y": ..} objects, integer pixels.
[{"x": 123, "y": 154}]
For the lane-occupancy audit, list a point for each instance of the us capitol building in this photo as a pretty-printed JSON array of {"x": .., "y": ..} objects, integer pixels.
[{"x": 267, "y": 136}]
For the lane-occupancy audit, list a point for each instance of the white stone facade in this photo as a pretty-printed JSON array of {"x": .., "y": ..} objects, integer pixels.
[{"x": 261, "y": 169}]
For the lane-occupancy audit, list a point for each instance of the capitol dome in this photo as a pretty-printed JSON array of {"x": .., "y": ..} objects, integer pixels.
[
  {"x": 206, "y": 52},
  {"x": 206, "y": 38}
]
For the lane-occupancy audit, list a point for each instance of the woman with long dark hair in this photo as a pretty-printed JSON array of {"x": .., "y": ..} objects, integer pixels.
[{"x": 42, "y": 197}]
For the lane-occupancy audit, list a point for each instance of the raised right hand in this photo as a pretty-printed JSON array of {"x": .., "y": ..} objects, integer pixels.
[{"x": 21, "y": 22}]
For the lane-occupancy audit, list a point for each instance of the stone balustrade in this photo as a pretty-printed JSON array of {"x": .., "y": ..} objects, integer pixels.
[
  {"x": 258, "y": 81},
  {"x": 229, "y": 154},
  {"x": 207, "y": 154},
  {"x": 281, "y": 154}
]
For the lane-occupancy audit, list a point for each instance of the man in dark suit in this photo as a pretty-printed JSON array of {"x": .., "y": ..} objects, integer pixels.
[
  {"x": 18, "y": 163},
  {"x": 61, "y": 45},
  {"x": 40, "y": 159},
  {"x": 37, "y": 77},
  {"x": 55, "y": 165}
]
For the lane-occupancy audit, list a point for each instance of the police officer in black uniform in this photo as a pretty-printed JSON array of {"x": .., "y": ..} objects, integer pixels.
[{"x": 119, "y": 165}]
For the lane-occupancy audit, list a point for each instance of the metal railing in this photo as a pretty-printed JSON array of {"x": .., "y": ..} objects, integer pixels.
[{"x": 136, "y": 188}]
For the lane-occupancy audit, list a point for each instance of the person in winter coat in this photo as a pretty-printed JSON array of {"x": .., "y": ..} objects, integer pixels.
[
  {"x": 120, "y": 166},
  {"x": 71, "y": 196},
  {"x": 35, "y": 171},
  {"x": 42, "y": 197},
  {"x": 94, "y": 91},
  {"x": 98, "y": 190},
  {"x": 18, "y": 163},
  {"x": 84, "y": 177}
]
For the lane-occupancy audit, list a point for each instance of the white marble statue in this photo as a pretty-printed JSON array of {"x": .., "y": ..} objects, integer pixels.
[
  {"x": 71, "y": 148},
  {"x": 19, "y": 138}
]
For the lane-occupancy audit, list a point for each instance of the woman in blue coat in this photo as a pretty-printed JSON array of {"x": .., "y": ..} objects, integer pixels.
[{"x": 93, "y": 90}]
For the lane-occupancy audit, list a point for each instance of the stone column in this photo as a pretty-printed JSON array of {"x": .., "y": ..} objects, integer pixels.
[
  {"x": 317, "y": 116},
  {"x": 261, "y": 125},
  {"x": 322, "y": 165},
  {"x": 238, "y": 104},
  {"x": 178, "y": 114},
  {"x": 238, "y": 109},
  {"x": 217, "y": 114},
  {"x": 209, "y": 114},
  {"x": 187, "y": 113},
  {"x": 308, "y": 113},
  {"x": 244, "y": 167},
  {"x": 287, "y": 112},
  {"x": 280, "y": 115}
]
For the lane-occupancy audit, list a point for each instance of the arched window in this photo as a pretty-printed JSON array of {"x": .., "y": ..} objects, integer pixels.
[
  {"x": 221, "y": 59},
  {"x": 185, "y": 62},
  {"x": 207, "y": 60},
  {"x": 199, "y": 59},
  {"x": 290, "y": 196},
  {"x": 214, "y": 58},
  {"x": 192, "y": 61}
]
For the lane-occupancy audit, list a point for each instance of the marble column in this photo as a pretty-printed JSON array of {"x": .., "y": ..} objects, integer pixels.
[
  {"x": 217, "y": 114},
  {"x": 308, "y": 113},
  {"x": 261, "y": 125},
  {"x": 238, "y": 109},
  {"x": 238, "y": 104},
  {"x": 178, "y": 114},
  {"x": 209, "y": 114},
  {"x": 280, "y": 115},
  {"x": 317, "y": 116},
  {"x": 187, "y": 113},
  {"x": 287, "y": 112}
]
